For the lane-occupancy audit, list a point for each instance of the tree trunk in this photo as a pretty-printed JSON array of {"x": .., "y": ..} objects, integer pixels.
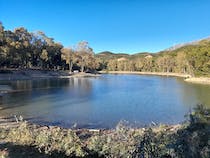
[
  {"x": 70, "y": 66},
  {"x": 82, "y": 68}
]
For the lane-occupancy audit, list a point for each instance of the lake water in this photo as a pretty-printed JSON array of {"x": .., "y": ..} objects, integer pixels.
[{"x": 102, "y": 102}]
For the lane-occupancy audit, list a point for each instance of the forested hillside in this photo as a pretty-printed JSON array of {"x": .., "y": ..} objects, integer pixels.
[{"x": 191, "y": 59}]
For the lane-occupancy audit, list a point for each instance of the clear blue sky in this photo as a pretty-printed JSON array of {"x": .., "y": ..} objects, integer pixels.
[{"x": 121, "y": 26}]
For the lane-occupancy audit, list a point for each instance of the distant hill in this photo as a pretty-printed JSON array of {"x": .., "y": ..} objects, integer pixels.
[
  {"x": 106, "y": 55},
  {"x": 197, "y": 42},
  {"x": 172, "y": 48},
  {"x": 110, "y": 55}
]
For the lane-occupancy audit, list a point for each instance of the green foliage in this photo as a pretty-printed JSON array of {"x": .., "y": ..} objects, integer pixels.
[
  {"x": 201, "y": 116},
  {"x": 194, "y": 140},
  {"x": 46, "y": 140},
  {"x": 56, "y": 139},
  {"x": 150, "y": 146},
  {"x": 21, "y": 135},
  {"x": 121, "y": 142}
]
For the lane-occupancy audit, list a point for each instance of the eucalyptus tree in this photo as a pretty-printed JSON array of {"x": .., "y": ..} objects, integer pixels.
[
  {"x": 53, "y": 49},
  {"x": 2, "y": 54},
  {"x": 1, "y": 34},
  {"x": 85, "y": 55},
  {"x": 9, "y": 49},
  {"x": 68, "y": 54},
  {"x": 44, "y": 58},
  {"x": 112, "y": 65},
  {"x": 147, "y": 64},
  {"x": 182, "y": 63},
  {"x": 24, "y": 45},
  {"x": 37, "y": 47}
]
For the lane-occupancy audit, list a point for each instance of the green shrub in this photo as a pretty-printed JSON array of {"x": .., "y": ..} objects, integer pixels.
[{"x": 21, "y": 134}]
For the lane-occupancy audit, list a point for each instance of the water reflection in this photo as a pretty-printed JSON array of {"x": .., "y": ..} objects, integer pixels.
[{"x": 103, "y": 102}]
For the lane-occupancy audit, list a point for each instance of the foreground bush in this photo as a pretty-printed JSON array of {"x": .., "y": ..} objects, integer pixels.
[{"x": 188, "y": 140}]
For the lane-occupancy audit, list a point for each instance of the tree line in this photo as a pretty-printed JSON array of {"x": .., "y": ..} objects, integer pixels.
[
  {"x": 23, "y": 49},
  {"x": 191, "y": 59}
]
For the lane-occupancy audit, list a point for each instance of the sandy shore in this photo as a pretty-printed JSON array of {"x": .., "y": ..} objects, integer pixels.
[
  {"x": 200, "y": 80},
  {"x": 148, "y": 73}
]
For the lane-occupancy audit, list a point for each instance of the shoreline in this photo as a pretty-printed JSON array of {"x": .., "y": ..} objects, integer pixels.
[
  {"x": 13, "y": 122},
  {"x": 170, "y": 74},
  {"x": 42, "y": 74},
  {"x": 199, "y": 80},
  {"x": 47, "y": 74},
  {"x": 187, "y": 77}
]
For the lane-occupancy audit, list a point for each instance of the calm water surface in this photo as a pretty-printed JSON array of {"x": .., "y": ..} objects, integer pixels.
[{"x": 102, "y": 102}]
